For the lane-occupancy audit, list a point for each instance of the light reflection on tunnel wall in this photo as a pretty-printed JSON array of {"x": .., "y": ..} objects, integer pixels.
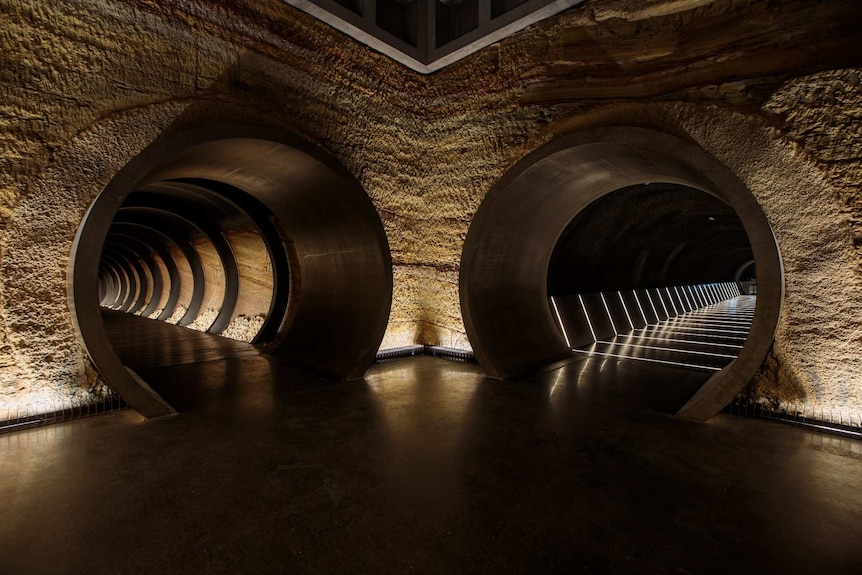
[{"x": 183, "y": 253}]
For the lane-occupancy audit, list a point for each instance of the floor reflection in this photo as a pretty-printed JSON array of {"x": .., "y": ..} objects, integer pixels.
[{"x": 426, "y": 466}]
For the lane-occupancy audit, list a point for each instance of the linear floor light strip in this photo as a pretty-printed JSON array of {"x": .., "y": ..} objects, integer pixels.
[
  {"x": 711, "y": 320},
  {"x": 643, "y": 315},
  {"x": 709, "y": 327},
  {"x": 694, "y": 301},
  {"x": 586, "y": 315},
  {"x": 607, "y": 311},
  {"x": 714, "y": 319},
  {"x": 710, "y": 330},
  {"x": 674, "y": 350},
  {"x": 681, "y": 301},
  {"x": 688, "y": 301},
  {"x": 560, "y": 320},
  {"x": 672, "y": 304},
  {"x": 690, "y": 341},
  {"x": 666, "y": 313},
  {"x": 668, "y": 331},
  {"x": 625, "y": 309},
  {"x": 674, "y": 363},
  {"x": 652, "y": 305}
]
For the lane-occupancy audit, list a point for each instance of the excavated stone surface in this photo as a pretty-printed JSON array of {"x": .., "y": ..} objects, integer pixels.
[
  {"x": 823, "y": 114},
  {"x": 255, "y": 279},
  {"x": 88, "y": 85}
]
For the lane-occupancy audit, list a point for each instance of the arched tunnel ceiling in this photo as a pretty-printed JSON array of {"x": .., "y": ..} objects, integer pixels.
[
  {"x": 427, "y": 35},
  {"x": 647, "y": 236}
]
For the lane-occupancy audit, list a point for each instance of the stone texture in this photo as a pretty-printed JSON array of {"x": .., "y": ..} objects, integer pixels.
[{"x": 768, "y": 88}]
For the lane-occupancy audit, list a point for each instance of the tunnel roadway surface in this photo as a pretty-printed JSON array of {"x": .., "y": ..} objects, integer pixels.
[{"x": 426, "y": 466}]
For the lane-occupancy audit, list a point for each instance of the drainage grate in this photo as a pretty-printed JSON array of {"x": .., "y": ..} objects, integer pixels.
[
  {"x": 14, "y": 418},
  {"x": 820, "y": 419},
  {"x": 449, "y": 353}
]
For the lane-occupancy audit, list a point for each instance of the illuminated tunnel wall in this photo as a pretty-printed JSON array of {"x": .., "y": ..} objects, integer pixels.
[
  {"x": 167, "y": 215},
  {"x": 506, "y": 267},
  {"x": 197, "y": 254}
]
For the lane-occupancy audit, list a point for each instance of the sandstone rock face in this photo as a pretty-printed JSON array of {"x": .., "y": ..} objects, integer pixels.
[{"x": 772, "y": 93}]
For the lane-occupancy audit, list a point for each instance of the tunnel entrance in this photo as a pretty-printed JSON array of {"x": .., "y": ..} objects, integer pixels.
[
  {"x": 648, "y": 273},
  {"x": 608, "y": 214},
  {"x": 227, "y": 241}
]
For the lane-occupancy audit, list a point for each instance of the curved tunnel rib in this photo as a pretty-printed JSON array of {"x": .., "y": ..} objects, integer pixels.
[
  {"x": 160, "y": 245},
  {"x": 204, "y": 214},
  {"x": 177, "y": 229},
  {"x": 311, "y": 215},
  {"x": 261, "y": 219},
  {"x": 138, "y": 295},
  {"x": 144, "y": 253},
  {"x": 504, "y": 266}
]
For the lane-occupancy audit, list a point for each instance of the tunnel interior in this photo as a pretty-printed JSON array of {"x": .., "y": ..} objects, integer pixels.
[
  {"x": 649, "y": 273},
  {"x": 198, "y": 254},
  {"x": 226, "y": 241},
  {"x": 622, "y": 232},
  {"x": 649, "y": 235}
]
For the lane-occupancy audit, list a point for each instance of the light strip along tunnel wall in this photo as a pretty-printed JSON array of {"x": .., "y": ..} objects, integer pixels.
[
  {"x": 506, "y": 277},
  {"x": 168, "y": 215},
  {"x": 676, "y": 325}
]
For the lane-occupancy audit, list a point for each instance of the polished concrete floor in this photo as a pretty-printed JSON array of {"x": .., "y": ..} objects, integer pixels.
[
  {"x": 427, "y": 466},
  {"x": 705, "y": 339},
  {"x": 142, "y": 342}
]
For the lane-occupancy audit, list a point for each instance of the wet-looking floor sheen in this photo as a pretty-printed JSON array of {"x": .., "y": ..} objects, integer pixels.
[{"x": 427, "y": 466}]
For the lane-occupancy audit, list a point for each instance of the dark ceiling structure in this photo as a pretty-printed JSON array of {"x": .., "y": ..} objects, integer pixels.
[{"x": 427, "y": 35}]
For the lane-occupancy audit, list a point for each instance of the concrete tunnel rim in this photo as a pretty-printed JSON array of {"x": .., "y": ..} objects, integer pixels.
[
  {"x": 154, "y": 160},
  {"x": 669, "y": 158}
]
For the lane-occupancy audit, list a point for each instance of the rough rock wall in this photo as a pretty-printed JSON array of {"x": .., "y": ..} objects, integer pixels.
[
  {"x": 255, "y": 284},
  {"x": 86, "y": 85}
]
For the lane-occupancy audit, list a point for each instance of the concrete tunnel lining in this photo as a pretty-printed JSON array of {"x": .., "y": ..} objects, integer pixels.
[
  {"x": 341, "y": 269},
  {"x": 504, "y": 266}
]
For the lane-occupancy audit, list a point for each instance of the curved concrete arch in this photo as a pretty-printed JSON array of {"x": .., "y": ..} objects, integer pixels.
[
  {"x": 127, "y": 284},
  {"x": 341, "y": 280},
  {"x": 205, "y": 222},
  {"x": 177, "y": 229},
  {"x": 115, "y": 284},
  {"x": 505, "y": 261},
  {"x": 142, "y": 254},
  {"x": 142, "y": 280},
  {"x": 160, "y": 244},
  {"x": 262, "y": 219}
]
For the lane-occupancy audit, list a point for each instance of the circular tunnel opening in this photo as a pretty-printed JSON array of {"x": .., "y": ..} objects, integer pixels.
[
  {"x": 601, "y": 231},
  {"x": 224, "y": 241}
]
